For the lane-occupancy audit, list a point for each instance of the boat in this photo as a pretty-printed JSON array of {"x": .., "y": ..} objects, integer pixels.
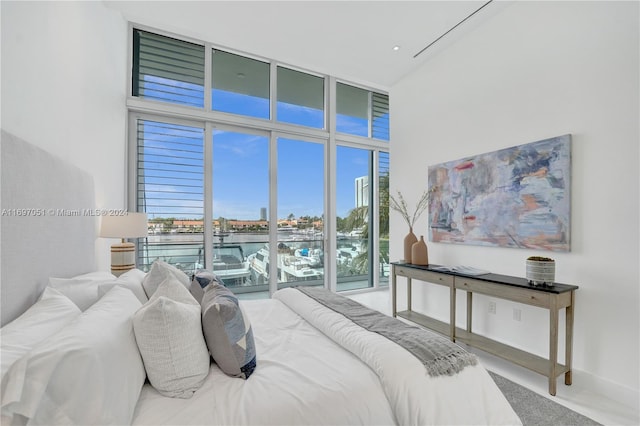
[
  {"x": 291, "y": 267},
  {"x": 356, "y": 233},
  {"x": 259, "y": 266},
  {"x": 313, "y": 256},
  {"x": 230, "y": 264},
  {"x": 346, "y": 254},
  {"x": 295, "y": 268}
]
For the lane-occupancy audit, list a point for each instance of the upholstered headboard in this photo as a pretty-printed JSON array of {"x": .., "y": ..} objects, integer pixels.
[{"x": 46, "y": 226}]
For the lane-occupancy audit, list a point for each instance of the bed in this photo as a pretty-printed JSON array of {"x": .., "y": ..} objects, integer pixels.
[{"x": 314, "y": 363}]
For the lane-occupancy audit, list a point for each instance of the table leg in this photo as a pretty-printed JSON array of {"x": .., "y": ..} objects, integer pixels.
[
  {"x": 408, "y": 294},
  {"x": 394, "y": 310},
  {"x": 553, "y": 344},
  {"x": 452, "y": 313},
  {"x": 569, "y": 339},
  {"x": 469, "y": 309}
]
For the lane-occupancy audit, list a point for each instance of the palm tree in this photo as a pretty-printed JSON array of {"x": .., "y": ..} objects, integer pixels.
[
  {"x": 383, "y": 185},
  {"x": 358, "y": 218}
]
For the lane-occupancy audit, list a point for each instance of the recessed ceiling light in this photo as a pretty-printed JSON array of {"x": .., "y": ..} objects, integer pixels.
[{"x": 396, "y": 48}]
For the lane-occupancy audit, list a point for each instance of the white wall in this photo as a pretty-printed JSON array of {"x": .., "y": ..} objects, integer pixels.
[
  {"x": 64, "y": 89},
  {"x": 533, "y": 71}
]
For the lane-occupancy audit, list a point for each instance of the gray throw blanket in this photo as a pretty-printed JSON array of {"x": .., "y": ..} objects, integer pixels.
[{"x": 439, "y": 355}]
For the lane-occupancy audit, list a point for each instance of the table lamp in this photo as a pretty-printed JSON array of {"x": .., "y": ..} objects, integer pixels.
[{"x": 123, "y": 254}]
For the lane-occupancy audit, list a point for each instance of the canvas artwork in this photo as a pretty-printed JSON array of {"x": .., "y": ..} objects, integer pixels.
[{"x": 515, "y": 197}]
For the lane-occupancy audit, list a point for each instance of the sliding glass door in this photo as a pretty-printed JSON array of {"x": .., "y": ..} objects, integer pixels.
[
  {"x": 383, "y": 218},
  {"x": 240, "y": 226},
  {"x": 300, "y": 206},
  {"x": 354, "y": 218}
]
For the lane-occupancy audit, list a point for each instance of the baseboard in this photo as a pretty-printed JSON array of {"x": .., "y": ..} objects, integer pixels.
[{"x": 607, "y": 388}]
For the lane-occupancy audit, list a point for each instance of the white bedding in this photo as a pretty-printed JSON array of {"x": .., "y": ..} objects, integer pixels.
[
  {"x": 467, "y": 398},
  {"x": 302, "y": 378},
  {"x": 317, "y": 367}
]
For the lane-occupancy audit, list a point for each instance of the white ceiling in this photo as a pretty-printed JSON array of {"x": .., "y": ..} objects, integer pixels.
[{"x": 352, "y": 40}]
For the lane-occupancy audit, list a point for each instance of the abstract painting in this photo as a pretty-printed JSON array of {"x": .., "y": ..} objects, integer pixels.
[{"x": 516, "y": 197}]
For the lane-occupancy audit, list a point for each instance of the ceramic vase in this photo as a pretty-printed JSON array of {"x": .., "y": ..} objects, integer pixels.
[
  {"x": 409, "y": 241},
  {"x": 419, "y": 255},
  {"x": 541, "y": 272}
]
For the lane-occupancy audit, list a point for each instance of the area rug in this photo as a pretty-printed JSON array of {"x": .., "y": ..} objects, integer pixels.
[{"x": 536, "y": 410}]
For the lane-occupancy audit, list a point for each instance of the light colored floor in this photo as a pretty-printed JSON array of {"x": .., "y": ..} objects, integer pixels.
[{"x": 585, "y": 401}]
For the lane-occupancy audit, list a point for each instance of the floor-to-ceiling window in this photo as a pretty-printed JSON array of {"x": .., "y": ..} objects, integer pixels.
[
  {"x": 300, "y": 192},
  {"x": 354, "y": 217},
  {"x": 170, "y": 189},
  {"x": 240, "y": 182},
  {"x": 383, "y": 218},
  {"x": 265, "y": 173}
]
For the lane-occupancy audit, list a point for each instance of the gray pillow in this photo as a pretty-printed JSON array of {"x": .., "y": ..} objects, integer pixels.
[
  {"x": 200, "y": 280},
  {"x": 227, "y": 332}
]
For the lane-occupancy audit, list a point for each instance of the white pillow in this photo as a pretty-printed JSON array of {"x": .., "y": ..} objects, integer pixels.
[
  {"x": 82, "y": 289},
  {"x": 158, "y": 273},
  {"x": 168, "y": 330},
  {"x": 95, "y": 276},
  {"x": 90, "y": 372},
  {"x": 131, "y": 279},
  {"x": 44, "y": 318}
]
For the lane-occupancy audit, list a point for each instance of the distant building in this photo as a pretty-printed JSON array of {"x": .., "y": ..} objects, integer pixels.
[
  {"x": 241, "y": 225},
  {"x": 362, "y": 191},
  {"x": 187, "y": 225},
  {"x": 286, "y": 223},
  {"x": 263, "y": 213}
]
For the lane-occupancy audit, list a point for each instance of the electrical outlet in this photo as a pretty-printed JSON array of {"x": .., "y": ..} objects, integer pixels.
[
  {"x": 492, "y": 307},
  {"x": 517, "y": 314}
]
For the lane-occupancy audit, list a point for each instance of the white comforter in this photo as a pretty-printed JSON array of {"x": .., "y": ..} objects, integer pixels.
[
  {"x": 316, "y": 367},
  {"x": 302, "y": 378},
  {"x": 469, "y": 397}
]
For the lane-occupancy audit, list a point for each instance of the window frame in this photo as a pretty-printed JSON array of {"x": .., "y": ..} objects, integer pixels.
[{"x": 207, "y": 118}]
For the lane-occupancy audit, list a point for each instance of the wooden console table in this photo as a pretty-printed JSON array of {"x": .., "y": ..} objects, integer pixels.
[{"x": 554, "y": 298}]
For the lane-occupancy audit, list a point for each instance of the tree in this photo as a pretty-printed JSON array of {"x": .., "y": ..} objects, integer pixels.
[
  {"x": 357, "y": 219},
  {"x": 384, "y": 204}
]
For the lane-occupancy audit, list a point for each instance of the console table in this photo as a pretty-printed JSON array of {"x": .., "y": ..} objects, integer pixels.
[{"x": 554, "y": 298}]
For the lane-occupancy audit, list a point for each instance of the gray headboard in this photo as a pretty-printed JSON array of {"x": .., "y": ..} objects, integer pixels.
[{"x": 45, "y": 231}]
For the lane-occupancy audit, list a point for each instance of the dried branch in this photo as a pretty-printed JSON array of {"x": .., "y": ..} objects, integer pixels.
[{"x": 400, "y": 205}]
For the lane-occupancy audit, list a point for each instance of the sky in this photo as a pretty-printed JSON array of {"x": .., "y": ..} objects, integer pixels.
[
  {"x": 241, "y": 161},
  {"x": 240, "y": 166}
]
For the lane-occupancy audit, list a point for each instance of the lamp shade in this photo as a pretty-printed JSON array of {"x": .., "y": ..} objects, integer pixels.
[{"x": 131, "y": 225}]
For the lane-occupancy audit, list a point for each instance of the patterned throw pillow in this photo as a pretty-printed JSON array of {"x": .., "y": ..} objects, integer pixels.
[
  {"x": 228, "y": 332},
  {"x": 200, "y": 280}
]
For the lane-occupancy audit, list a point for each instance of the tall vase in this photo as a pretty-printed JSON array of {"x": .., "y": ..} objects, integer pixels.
[
  {"x": 409, "y": 240},
  {"x": 419, "y": 255}
]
